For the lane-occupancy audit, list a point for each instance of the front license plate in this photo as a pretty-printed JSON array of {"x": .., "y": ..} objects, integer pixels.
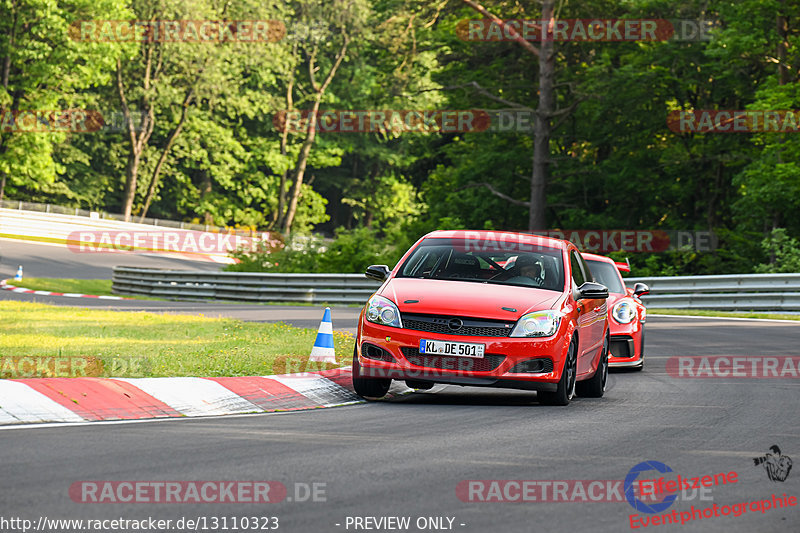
[{"x": 458, "y": 349}]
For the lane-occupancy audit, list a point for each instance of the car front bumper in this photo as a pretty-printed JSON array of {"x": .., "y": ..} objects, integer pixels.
[
  {"x": 543, "y": 357},
  {"x": 623, "y": 351}
]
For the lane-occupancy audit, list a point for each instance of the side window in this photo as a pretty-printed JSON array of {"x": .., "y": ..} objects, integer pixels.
[
  {"x": 575, "y": 266},
  {"x": 586, "y": 269}
]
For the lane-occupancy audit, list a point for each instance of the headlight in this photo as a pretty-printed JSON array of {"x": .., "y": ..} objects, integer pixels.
[
  {"x": 538, "y": 324},
  {"x": 382, "y": 311},
  {"x": 623, "y": 312}
]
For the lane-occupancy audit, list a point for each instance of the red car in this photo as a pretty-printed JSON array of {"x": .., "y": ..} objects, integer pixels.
[
  {"x": 626, "y": 313},
  {"x": 485, "y": 308}
]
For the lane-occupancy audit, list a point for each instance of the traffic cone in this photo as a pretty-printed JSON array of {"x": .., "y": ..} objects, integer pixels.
[
  {"x": 323, "y": 351},
  {"x": 18, "y": 277}
]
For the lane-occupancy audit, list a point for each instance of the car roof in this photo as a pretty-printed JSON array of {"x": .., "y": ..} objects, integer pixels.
[
  {"x": 499, "y": 235},
  {"x": 595, "y": 257},
  {"x": 622, "y": 267}
]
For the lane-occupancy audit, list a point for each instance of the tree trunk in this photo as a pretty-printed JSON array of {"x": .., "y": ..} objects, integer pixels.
[
  {"x": 302, "y": 158},
  {"x": 537, "y": 220},
  {"x": 205, "y": 190},
  {"x": 281, "y": 213},
  {"x": 131, "y": 173},
  {"x": 300, "y": 169},
  {"x": 783, "y": 46},
  {"x": 151, "y": 190},
  {"x": 138, "y": 140}
]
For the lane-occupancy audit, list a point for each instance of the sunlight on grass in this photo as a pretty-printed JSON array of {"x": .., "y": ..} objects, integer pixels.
[{"x": 160, "y": 345}]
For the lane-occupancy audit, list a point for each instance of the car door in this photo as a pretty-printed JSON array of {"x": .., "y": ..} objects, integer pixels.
[
  {"x": 588, "y": 317},
  {"x": 601, "y": 307}
]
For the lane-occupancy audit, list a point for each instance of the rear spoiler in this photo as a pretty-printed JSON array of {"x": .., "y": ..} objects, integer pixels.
[{"x": 623, "y": 267}]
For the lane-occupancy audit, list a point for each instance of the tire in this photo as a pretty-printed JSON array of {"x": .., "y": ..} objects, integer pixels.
[
  {"x": 595, "y": 386},
  {"x": 368, "y": 388},
  {"x": 566, "y": 385}
]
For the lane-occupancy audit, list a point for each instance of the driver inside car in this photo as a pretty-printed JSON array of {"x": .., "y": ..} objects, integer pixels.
[{"x": 529, "y": 271}]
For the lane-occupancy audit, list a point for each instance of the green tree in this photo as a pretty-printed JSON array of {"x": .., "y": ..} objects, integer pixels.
[{"x": 43, "y": 68}]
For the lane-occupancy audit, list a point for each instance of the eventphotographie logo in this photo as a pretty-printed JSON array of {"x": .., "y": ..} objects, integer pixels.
[{"x": 775, "y": 463}]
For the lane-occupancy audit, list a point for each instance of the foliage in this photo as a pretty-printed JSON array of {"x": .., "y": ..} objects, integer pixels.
[
  {"x": 349, "y": 251},
  {"x": 614, "y": 163},
  {"x": 784, "y": 252}
]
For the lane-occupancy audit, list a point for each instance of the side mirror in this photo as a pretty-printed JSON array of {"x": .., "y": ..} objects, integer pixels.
[
  {"x": 640, "y": 289},
  {"x": 591, "y": 290},
  {"x": 377, "y": 272}
]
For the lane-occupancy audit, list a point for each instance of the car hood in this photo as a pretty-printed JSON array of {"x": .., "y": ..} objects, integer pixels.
[{"x": 466, "y": 298}]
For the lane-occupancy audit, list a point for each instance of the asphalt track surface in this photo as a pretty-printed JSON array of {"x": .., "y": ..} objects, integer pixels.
[{"x": 57, "y": 261}]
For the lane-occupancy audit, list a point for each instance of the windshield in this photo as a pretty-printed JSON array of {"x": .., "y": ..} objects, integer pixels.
[
  {"x": 607, "y": 274},
  {"x": 536, "y": 267}
]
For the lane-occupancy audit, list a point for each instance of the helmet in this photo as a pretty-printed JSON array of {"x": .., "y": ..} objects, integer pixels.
[{"x": 528, "y": 260}]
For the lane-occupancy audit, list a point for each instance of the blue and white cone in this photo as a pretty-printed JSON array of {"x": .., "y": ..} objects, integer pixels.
[
  {"x": 18, "y": 277},
  {"x": 323, "y": 351}
]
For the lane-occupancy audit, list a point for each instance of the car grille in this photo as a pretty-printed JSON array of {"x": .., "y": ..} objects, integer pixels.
[
  {"x": 448, "y": 362},
  {"x": 473, "y": 327}
]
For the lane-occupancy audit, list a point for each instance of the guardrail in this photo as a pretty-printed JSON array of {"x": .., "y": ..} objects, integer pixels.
[
  {"x": 732, "y": 292},
  {"x": 50, "y": 209},
  {"x": 243, "y": 286},
  {"x": 737, "y": 292}
]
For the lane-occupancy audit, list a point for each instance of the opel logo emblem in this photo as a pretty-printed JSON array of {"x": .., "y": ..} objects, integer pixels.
[{"x": 455, "y": 324}]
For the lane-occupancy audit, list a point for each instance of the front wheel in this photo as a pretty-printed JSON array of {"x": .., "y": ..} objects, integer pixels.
[
  {"x": 595, "y": 387},
  {"x": 566, "y": 385},
  {"x": 368, "y": 388}
]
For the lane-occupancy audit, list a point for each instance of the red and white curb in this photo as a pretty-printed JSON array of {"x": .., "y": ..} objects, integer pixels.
[
  {"x": 37, "y": 400},
  {"x": 4, "y": 285}
]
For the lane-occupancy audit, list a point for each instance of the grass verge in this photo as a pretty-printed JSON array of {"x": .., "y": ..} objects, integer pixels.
[
  {"x": 98, "y": 287},
  {"x": 732, "y": 314},
  {"x": 41, "y": 340}
]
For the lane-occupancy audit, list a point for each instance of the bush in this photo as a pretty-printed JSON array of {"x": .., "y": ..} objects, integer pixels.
[
  {"x": 350, "y": 251},
  {"x": 784, "y": 252}
]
